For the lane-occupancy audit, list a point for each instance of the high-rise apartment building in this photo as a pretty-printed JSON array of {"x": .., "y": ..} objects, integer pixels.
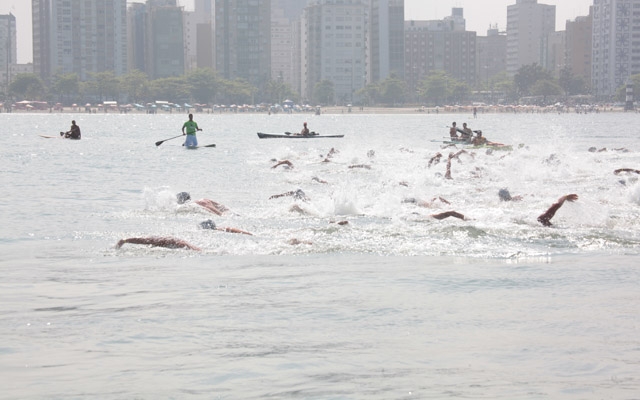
[
  {"x": 386, "y": 39},
  {"x": 136, "y": 33},
  {"x": 440, "y": 45},
  {"x": 165, "y": 54},
  {"x": 579, "y": 39},
  {"x": 616, "y": 44},
  {"x": 204, "y": 34},
  {"x": 492, "y": 55},
  {"x": 528, "y": 25},
  {"x": 81, "y": 37},
  {"x": 335, "y": 35},
  {"x": 8, "y": 47},
  {"x": 242, "y": 40}
]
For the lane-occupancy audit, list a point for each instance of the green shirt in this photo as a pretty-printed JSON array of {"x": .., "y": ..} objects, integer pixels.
[{"x": 191, "y": 126}]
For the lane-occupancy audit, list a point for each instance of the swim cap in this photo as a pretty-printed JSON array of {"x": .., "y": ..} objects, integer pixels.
[
  {"x": 183, "y": 197},
  {"x": 299, "y": 194},
  {"x": 208, "y": 224},
  {"x": 504, "y": 195}
]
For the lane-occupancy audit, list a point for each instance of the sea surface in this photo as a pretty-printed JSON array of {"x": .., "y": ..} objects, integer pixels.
[{"x": 392, "y": 304}]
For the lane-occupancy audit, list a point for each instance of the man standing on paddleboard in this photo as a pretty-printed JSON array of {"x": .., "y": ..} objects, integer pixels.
[{"x": 191, "y": 127}]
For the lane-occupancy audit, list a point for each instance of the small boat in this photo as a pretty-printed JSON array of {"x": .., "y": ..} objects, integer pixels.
[{"x": 289, "y": 135}]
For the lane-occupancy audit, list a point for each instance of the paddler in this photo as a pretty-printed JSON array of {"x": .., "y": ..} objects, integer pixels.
[
  {"x": 73, "y": 133},
  {"x": 453, "y": 131},
  {"x": 191, "y": 127}
]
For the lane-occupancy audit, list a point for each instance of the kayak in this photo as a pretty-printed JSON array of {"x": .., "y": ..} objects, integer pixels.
[
  {"x": 294, "y": 136},
  {"x": 469, "y": 145}
]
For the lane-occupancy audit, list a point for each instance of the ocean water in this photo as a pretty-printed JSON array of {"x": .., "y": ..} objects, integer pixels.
[{"x": 392, "y": 305}]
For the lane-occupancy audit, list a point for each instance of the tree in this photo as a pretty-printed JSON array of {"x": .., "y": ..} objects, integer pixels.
[
  {"x": 393, "y": 90},
  {"x": 370, "y": 93},
  {"x": 276, "y": 91},
  {"x": 203, "y": 84},
  {"x": 546, "y": 87},
  {"x": 107, "y": 85},
  {"x": 237, "y": 91},
  {"x": 65, "y": 86},
  {"x": 28, "y": 86},
  {"x": 434, "y": 87},
  {"x": 571, "y": 84},
  {"x": 323, "y": 92},
  {"x": 173, "y": 89},
  {"x": 503, "y": 85},
  {"x": 135, "y": 85},
  {"x": 527, "y": 76}
]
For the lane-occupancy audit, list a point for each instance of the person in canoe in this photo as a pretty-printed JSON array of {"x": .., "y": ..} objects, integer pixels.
[
  {"x": 480, "y": 140},
  {"x": 453, "y": 132},
  {"x": 189, "y": 129},
  {"x": 467, "y": 133},
  {"x": 73, "y": 133},
  {"x": 304, "y": 131}
]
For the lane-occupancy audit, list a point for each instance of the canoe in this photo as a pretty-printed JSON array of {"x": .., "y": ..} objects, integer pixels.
[
  {"x": 469, "y": 145},
  {"x": 293, "y": 136}
]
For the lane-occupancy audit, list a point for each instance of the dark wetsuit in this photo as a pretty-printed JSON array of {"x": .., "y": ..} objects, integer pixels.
[{"x": 74, "y": 133}]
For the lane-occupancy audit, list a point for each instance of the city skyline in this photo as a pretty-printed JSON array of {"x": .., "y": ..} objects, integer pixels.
[{"x": 479, "y": 15}]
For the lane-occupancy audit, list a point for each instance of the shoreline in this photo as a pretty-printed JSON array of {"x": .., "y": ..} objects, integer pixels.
[{"x": 334, "y": 110}]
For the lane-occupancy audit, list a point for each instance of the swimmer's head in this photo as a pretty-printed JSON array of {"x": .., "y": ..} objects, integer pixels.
[
  {"x": 299, "y": 194},
  {"x": 504, "y": 195},
  {"x": 183, "y": 197},
  {"x": 208, "y": 224},
  {"x": 479, "y": 133}
]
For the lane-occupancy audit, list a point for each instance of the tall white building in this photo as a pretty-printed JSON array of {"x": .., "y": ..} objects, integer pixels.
[
  {"x": 386, "y": 42},
  {"x": 334, "y": 35},
  {"x": 616, "y": 44},
  {"x": 78, "y": 36},
  {"x": 528, "y": 25}
]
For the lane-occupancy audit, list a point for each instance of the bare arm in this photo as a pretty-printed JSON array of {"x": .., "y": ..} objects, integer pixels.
[
  {"x": 448, "y": 214},
  {"x": 235, "y": 230},
  {"x": 284, "y": 162},
  {"x": 621, "y": 170},
  {"x": 545, "y": 219},
  {"x": 168, "y": 242},
  {"x": 208, "y": 205}
]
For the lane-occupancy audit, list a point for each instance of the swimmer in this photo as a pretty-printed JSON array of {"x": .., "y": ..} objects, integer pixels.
[
  {"x": 209, "y": 205},
  {"x": 297, "y": 194},
  {"x": 154, "y": 241},
  {"x": 209, "y": 224},
  {"x": 545, "y": 218}
]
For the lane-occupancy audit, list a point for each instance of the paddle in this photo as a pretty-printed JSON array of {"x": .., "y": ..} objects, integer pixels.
[{"x": 158, "y": 143}]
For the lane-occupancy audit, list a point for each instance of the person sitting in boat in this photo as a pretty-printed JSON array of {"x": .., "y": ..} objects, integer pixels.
[
  {"x": 209, "y": 205},
  {"x": 305, "y": 130},
  {"x": 479, "y": 140},
  {"x": 453, "y": 131},
  {"x": 73, "y": 133},
  {"x": 467, "y": 133}
]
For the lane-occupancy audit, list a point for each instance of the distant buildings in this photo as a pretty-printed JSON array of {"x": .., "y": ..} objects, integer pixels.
[
  {"x": 334, "y": 35},
  {"x": 528, "y": 27},
  {"x": 386, "y": 43},
  {"x": 301, "y": 43},
  {"x": 440, "y": 45},
  {"x": 616, "y": 44},
  {"x": 242, "y": 40},
  {"x": 579, "y": 40},
  {"x": 81, "y": 37},
  {"x": 491, "y": 55},
  {"x": 8, "y": 47}
]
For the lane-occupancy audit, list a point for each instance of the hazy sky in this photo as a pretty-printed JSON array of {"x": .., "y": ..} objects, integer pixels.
[{"x": 478, "y": 13}]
